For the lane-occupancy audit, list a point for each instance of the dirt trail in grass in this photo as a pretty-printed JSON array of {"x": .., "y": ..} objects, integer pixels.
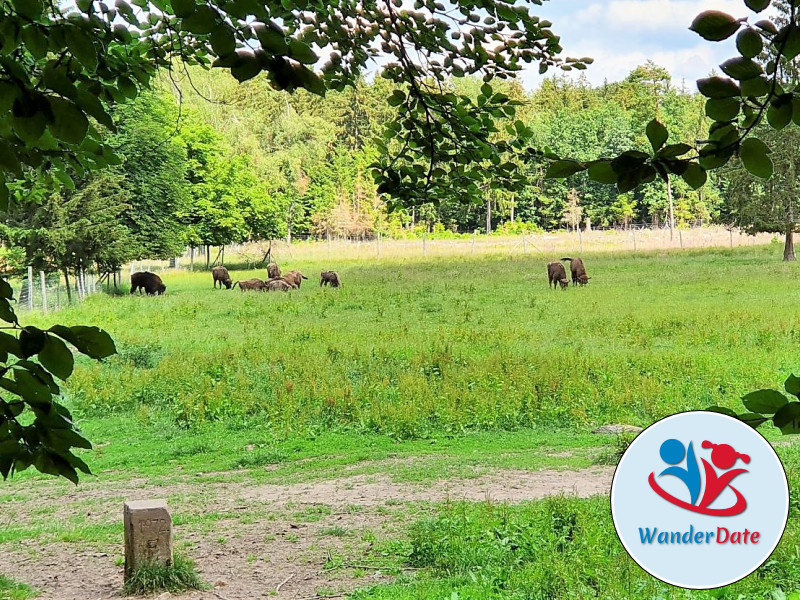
[{"x": 315, "y": 538}]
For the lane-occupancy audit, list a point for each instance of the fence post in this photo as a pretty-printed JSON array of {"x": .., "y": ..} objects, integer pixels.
[
  {"x": 634, "y": 239},
  {"x": 424, "y": 239},
  {"x": 580, "y": 238},
  {"x": 474, "y": 237},
  {"x": 731, "y": 232},
  {"x": 680, "y": 237},
  {"x": 378, "y": 244},
  {"x": 524, "y": 244},
  {"x": 44, "y": 290},
  {"x": 30, "y": 288}
]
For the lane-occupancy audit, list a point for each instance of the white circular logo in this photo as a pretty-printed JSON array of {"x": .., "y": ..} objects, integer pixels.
[{"x": 699, "y": 500}]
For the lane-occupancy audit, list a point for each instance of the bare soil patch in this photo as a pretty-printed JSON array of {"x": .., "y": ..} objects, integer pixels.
[{"x": 248, "y": 539}]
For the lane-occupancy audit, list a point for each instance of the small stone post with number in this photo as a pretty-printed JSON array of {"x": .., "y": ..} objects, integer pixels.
[{"x": 148, "y": 534}]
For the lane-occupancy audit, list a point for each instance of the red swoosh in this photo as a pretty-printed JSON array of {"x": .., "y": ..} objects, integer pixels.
[{"x": 739, "y": 507}]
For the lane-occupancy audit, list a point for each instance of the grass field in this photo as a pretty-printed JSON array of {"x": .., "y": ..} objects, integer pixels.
[{"x": 413, "y": 373}]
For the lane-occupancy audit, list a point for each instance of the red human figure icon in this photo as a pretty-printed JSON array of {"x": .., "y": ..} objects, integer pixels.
[{"x": 724, "y": 457}]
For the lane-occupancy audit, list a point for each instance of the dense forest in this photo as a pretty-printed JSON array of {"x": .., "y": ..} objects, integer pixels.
[{"x": 206, "y": 161}]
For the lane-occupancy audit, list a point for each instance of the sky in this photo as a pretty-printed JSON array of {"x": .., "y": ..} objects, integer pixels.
[{"x": 621, "y": 34}]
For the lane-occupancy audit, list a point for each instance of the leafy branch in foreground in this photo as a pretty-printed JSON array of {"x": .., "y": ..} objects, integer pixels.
[
  {"x": 756, "y": 89},
  {"x": 35, "y": 430},
  {"x": 771, "y": 405}
]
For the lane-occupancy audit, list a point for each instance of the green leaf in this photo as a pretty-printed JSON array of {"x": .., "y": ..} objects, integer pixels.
[
  {"x": 30, "y": 389},
  {"x": 779, "y": 114},
  {"x": 755, "y": 158},
  {"x": 31, "y": 341},
  {"x": 246, "y": 67},
  {"x": 722, "y": 410},
  {"x": 722, "y": 109},
  {"x": 69, "y": 123},
  {"x": 753, "y": 419},
  {"x": 718, "y": 87},
  {"x": 201, "y": 21},
  {"x": 787, "y": 418},
  {"x": 397, "y": 98},
  {"x": 10, "y": 344},
  {"x": 564, "y": 168},
  {"x": 222, "y": 40},
  {"x": 674, "y": 150},
  {"x": 602, "y": 172},
  {"x": 792, "y": 385},
  {"x": 789, "y": 37},
  {"x": 55, "y": 78},
  {"x": 183, "y": 8},
  {"x": 714, "y": 25},
  {"x": 6, "y": 291},
  {"x": 757, "y": 5},
  {"x": 764, "y": 401},
  {"x": 57, "y": 358},
  {"x": 749, "y": 43},
  {"x": 695, "y": 175},
  {"x": 35, "y": 41},
  {"x": 758, "y": 86},
  {"x": 91, "y": 341},
  {"x": 741, "y": 68},
  {"x": 272, "y": 38},
  {"x": 302, "y": 52},
  {"x": 30, "y": 9},
  {"x": 31, "y": 128},
  {"x": 81, "y": 47},
  {"x": 657, "y": 134}
]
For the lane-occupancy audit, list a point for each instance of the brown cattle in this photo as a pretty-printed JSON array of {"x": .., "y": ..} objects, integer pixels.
[
  {"x": 273, "y": 270},
  {"x": 149, "y": 282},
  {"x": 557, "y": 275},
  {"x": 221, "y": 275},
  {"x": 251, "y": 284},
  {"x": 294, "y": 277},
  {"x": 578, "y": 271},
  {"x": 329, "y": 278},
  {"x": 278, "y": 285}
]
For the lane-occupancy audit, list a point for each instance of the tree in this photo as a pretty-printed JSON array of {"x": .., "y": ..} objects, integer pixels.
[{"x": 770, "y": 206}]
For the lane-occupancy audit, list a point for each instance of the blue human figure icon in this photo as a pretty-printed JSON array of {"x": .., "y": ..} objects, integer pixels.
[{"x": 672, "y": 453}]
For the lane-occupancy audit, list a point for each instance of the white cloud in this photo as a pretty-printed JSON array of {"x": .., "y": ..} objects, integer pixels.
[{"x": 652, "y": 15}]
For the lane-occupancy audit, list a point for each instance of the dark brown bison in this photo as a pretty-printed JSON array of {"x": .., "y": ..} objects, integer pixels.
[
  {"x": 557, "y": 275},
  {"x": 149, "y": 282},
  {"x": 294, "y": 277},
  {"x": 251, "y": 284},
  {"x": 578, "y": 271},
  {"x": 284, "y": 280},
  {"x": 278, "y": 285},
  {"x": 273, "y": 270},
  {"x": 329, "y": 278},
  {"x": 221, "y": 275}
]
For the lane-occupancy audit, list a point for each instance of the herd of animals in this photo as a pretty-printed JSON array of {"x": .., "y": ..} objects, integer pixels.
[
  {"x": 152, "y": 284},
  {"x": 557, "y": 274}
]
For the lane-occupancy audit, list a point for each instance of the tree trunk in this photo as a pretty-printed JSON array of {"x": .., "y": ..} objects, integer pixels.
[
  {"x": 788, "y": 247},
  {"x": 208, "y": 255},
  {"x": 671, "y": 210},
  {"x": 66, "y": 280}
]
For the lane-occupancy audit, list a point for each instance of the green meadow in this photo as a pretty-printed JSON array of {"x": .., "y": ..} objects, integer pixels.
[{"x": 449, "y": 368}]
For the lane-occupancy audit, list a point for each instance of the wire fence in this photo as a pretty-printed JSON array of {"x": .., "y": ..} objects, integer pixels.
[{"x": 49, "y": 291}]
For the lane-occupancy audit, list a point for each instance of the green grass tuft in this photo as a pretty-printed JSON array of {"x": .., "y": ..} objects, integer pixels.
[
  {"x": 11, "y": 590},
  {"x": 150, "y": 579}
]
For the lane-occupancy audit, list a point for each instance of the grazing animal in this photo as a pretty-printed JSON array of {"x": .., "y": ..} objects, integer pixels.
[
  {"x": 578, "y": 271},
  {"x": 149, "y": 282},
  {"x": 557, "y": 275},
  {"x": 329, "y": 278},
  {"x": 251, "y": 284},
  {"x": 221, "y": 275},
  {"x": 273, "y": 270},
  {"x": 278, "y": 285},
  {"x": 294, "y": 277}
]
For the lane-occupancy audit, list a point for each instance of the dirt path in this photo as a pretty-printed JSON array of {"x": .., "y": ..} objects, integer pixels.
[{"x": 315, "y": 538}]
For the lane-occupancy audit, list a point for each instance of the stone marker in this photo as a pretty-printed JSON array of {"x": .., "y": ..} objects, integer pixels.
[{"x": 148, "y": 534}]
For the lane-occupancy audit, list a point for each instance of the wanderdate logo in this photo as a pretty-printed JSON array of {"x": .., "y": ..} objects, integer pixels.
[{"x": 699, "y": 500}]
